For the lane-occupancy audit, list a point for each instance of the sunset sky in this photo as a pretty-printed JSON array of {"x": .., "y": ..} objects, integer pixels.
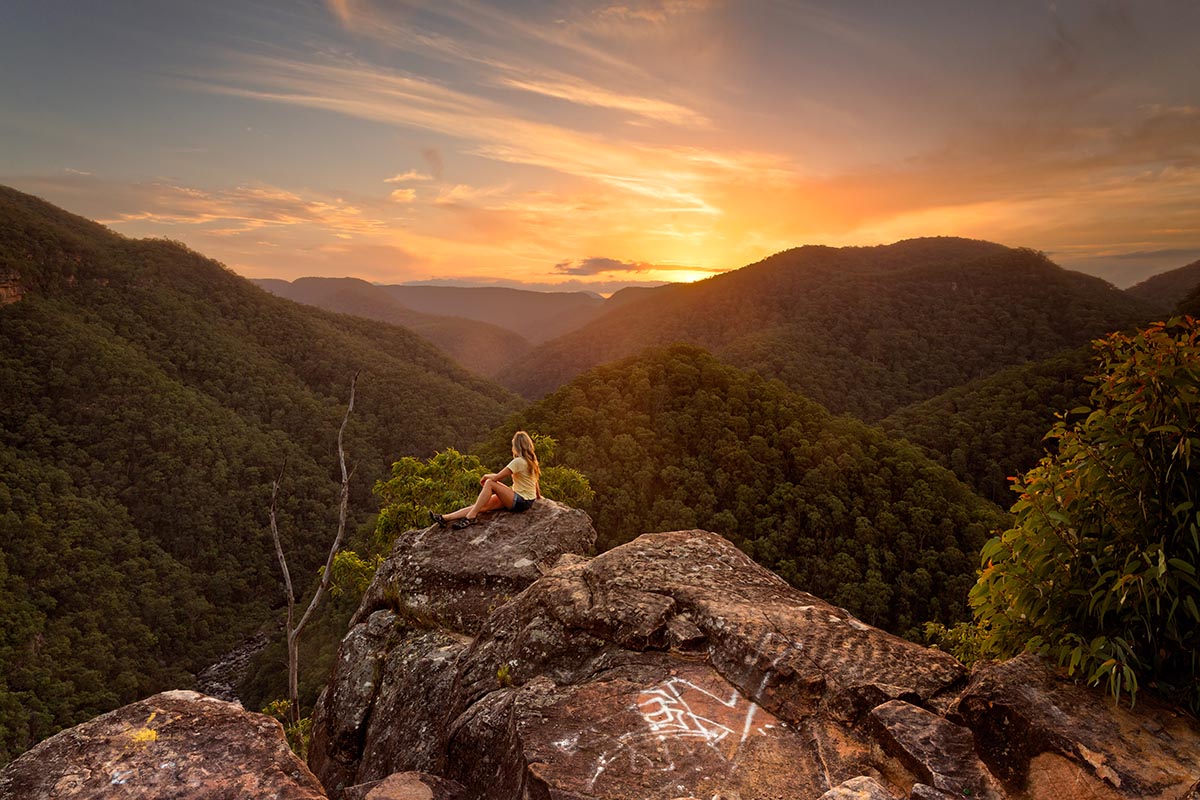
[{"x": 601, "y": 144}]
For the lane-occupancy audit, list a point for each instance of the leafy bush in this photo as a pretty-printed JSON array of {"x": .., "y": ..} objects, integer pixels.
[
  {"x": 298, "y": 733},
  {"x": 1099, "y": 570}
]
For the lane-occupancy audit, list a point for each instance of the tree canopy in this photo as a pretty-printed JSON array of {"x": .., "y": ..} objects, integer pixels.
[
  {"x": 1100, "y": 568},
  {"x": 992, "y": 428},
  {"x": 861, "y": 330}
]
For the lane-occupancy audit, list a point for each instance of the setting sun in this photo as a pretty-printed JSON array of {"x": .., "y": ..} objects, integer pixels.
[{"x": 598, "y": 145}]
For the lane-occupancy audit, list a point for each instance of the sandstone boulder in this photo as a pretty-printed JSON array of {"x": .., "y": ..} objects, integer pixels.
[
  {"x": 179, "y": 745},
  {"x": 441, "y": 577},
  {"x": 860, "y": 788},
  {"x": 1049, "y": 737},
  {"x": 386, "y": 706},
  {"x": 939, "y": 752},
  {"x": 408, "y": 786},
  {"x": 674, "y": 667}
]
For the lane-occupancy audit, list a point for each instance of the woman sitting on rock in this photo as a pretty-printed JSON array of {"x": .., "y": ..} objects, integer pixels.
[{"x": 494, "y": 495}]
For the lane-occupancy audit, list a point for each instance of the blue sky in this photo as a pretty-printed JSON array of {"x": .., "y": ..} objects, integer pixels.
[{"x": 603, "y": 144}]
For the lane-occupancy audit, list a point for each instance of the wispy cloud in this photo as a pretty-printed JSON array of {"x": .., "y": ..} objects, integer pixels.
[
  {"x": 672, "y": 175},
  {"x": 586, "y": 94},
  {"x": 408, "y": 177},
  {"x": 462, "y": 194},
  {"x": 222, "y": 212},
  {"x": 600, "y": 266}
]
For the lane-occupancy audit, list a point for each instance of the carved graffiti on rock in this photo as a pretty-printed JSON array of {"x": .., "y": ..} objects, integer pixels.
[
  {"x": 678, "y": 707},
  {"x": 679, "y": 715}
]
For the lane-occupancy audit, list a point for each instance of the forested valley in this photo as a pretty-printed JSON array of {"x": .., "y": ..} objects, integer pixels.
[
  {"x": 150, "y": 396},
  {"x": 673, "y": 439}
]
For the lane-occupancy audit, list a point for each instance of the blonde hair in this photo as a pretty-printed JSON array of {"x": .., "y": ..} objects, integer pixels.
[{"x": 522, "y": 445}]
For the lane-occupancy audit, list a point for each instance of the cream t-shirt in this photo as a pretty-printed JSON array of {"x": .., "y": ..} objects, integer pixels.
[{"x": 523, "y": 480}]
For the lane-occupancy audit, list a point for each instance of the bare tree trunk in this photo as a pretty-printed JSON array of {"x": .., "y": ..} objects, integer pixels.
[{"x": 294, "y": 628}]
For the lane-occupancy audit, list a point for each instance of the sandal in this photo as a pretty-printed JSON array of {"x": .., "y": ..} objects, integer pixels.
[
  {"x": 438, "y": 519},
  {"x": 464, "y": 522}
]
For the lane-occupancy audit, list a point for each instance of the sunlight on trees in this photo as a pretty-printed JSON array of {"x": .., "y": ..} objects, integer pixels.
[{"x": 1099, "y": 570}]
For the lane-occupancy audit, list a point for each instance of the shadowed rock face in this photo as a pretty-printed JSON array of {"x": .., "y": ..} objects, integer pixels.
[
  {"x": 180, "y": 745},
  {"x": 1037, "y": 731},
  {"x": 674, "y": 667},
  {"x": 387, "y": 706}
]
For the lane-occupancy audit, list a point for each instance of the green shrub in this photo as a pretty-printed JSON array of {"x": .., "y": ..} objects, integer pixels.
[{"x": 1099, "y": 570}]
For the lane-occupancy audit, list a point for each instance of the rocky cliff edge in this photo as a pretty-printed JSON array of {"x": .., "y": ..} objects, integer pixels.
[
  {"x": 675, "y": 667},
  {"x": 496, "y": 662}
]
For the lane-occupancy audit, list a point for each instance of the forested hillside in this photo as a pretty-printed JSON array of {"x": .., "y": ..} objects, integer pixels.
[
  {"x": 1190, "y": 304},
  {"x": 147, "y": 398},
  {"x": 992, "y": 428},
  {"x": 674, "y": 439},
  {"x": 864, "y": 330},
  {"x": 1165, "y": 290},
  {"x": 479, "y": 346}
]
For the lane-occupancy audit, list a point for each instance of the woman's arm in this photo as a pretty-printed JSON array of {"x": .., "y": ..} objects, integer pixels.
[{"x": 496, "y": 476}]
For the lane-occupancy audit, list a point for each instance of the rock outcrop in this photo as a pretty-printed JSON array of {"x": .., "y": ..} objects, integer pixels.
[
  {"x": 497, "y": 663},
  {"x": 386, "y": 707},
  {"x": 675, "y": 667},
  {"x": 180, "y": 745},
  {"x": 1058, "y": 739},
  {"x": 455, "y": 578}
]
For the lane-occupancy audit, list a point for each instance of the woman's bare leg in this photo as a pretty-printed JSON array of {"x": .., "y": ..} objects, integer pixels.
[{"x": 494, "y": 495}]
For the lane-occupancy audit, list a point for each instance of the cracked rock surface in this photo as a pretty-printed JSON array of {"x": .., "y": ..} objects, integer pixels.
[
  {"x": 500, "y": 663},
  {"x": 674, "y": 667},
  {"x": 180, "y": 745}
]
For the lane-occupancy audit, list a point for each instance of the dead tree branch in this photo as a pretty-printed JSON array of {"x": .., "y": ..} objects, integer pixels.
[{"x": 295, "y": 628}]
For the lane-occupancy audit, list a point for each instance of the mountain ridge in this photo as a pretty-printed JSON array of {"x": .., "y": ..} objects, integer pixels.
[
  {"x": 1168, "y": 289},
  {"x": 479, "y": 346},
  {"x": 861, "y": 330}
]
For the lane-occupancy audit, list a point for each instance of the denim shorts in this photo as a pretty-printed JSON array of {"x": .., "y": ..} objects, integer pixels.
[{"x": 520, "y": 503}]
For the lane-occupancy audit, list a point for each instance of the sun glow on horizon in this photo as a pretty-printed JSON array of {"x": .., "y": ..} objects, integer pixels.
[{"x": 602, "y": 144}]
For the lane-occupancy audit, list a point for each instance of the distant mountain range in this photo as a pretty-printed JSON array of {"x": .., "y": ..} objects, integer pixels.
[
  {"x": 1166, "y": 290},
  {"x": 863, "y": 330},
  {"x": 479, "y": 346},
  {"x": 537, "y": 316}
]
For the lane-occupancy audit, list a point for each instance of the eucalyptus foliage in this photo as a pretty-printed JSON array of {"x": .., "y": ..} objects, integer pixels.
[{"x": 1100, "y": 569}]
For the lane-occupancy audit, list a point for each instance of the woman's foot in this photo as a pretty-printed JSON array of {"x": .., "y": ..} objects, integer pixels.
[
  {"x": 465, "y": 522},
  {"x": 438, "y": 519}
]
